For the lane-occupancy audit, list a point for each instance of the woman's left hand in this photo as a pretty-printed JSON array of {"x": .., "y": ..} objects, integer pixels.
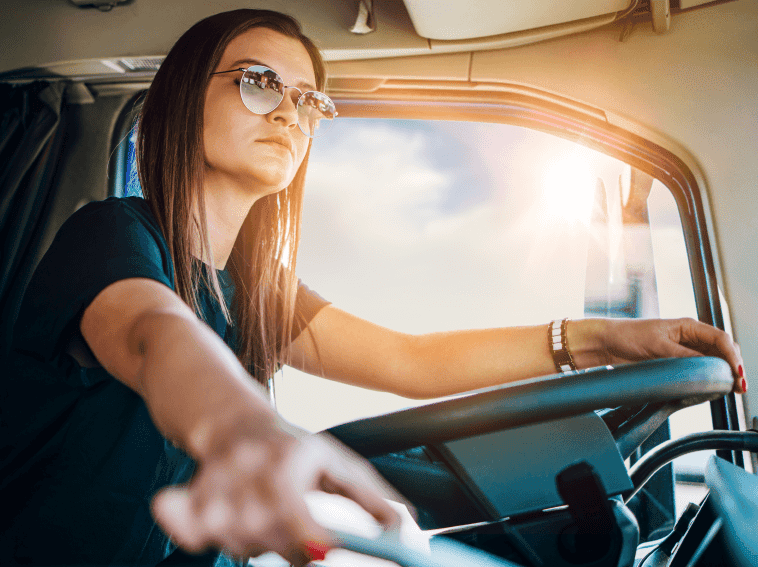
[{"x": 597, "y": 342}]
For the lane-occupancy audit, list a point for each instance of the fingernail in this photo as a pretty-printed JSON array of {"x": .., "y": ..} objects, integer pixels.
[
  {"x": 741, "y": 371},
  {"x": 317, "y": 550},
  {"x": 744, "y": 385}
]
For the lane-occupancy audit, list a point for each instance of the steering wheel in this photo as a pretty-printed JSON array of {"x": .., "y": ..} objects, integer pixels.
[
  {"x": 445, "y": 552},
  {"x": 676, "y": 383},
  {"x": 408, "y": 446},
  {"x": 661, "y": 386}
]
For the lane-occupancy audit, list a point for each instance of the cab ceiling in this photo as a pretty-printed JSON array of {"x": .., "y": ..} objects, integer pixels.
[
  {"x": 48, "y": 38},
  {"x": 40, "y": 32}
]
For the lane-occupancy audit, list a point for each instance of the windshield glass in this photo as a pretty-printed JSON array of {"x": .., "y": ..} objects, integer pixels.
[{"x": 425, "y": 226}]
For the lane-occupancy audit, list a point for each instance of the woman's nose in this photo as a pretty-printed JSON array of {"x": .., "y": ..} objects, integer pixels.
[{"x": 286, "y": 112}]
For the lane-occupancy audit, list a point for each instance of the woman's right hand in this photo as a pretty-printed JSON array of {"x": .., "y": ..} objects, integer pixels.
[{"x": 246, "y": 496}]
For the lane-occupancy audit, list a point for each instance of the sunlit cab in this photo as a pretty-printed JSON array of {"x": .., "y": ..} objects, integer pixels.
[{"x": 492, "y": 164}]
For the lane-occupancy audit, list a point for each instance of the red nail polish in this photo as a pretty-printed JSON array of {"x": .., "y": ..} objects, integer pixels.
[
  {"x": 740, "y": 371},
  {"x": 317, "y": 550},
  {"x": 744, "y": 385}
]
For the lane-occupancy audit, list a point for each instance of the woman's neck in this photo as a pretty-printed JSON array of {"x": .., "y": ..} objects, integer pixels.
[{"x": 225, "y": 211}]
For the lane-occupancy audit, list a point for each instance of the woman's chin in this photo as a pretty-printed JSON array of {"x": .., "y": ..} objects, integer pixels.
[
  {"x": 273, "y": 179},
  {"x": 258, "y": 182},
  {"x": 264, "y": 185}
]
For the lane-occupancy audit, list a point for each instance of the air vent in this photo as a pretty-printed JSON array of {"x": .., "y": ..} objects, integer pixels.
[{"x": 137, "y": 64}]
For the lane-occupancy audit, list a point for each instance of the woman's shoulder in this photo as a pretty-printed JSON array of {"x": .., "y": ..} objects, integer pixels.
[
  {"x": 114, "y": 218},
  {"x": 114, "y": 230},
  {"x": 134, "y": 207},
  {"x": 101, "y": 243}
]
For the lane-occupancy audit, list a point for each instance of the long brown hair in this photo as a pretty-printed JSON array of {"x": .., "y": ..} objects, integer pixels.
[{"x": 170, "y": 162}]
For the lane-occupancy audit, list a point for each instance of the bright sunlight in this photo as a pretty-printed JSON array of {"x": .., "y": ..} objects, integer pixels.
[{"x": 568, "y": 189}]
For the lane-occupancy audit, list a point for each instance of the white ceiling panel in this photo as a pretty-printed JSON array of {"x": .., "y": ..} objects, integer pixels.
[{"x": 467, "y": 19}]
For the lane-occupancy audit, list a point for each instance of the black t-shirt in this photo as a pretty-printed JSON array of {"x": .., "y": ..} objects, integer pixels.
[{"x": 79, "y": 455}]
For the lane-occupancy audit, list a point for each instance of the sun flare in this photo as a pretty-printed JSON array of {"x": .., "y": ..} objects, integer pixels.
[{"x": 568, "y": 189}]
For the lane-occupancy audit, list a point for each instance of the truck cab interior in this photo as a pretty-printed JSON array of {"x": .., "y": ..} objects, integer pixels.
[{"x": 494, "y": 163}]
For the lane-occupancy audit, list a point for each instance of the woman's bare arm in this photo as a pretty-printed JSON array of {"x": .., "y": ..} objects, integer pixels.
[
  {"x": 345, "y": 348},
  {"x": 247, "y": 496},
  {"x": 143, "y": 334}
]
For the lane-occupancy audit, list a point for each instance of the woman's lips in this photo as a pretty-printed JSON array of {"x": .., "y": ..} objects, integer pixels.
[{"x": 278, "y": 141}]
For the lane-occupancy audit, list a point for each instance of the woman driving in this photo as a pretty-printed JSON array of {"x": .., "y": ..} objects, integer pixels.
[{"x": 137, "y": 406}]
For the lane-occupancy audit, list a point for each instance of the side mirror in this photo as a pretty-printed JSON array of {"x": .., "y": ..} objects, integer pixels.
[{"x": 620, "y": 279}]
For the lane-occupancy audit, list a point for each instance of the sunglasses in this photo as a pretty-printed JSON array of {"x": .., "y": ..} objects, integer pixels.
[{"x": 262, "y": 90}]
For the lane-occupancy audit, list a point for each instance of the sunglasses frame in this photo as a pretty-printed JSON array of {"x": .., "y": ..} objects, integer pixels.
[{"x": 285, "y": 87}]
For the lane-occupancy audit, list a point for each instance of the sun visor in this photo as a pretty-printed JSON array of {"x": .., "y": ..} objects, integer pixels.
[{"x": 449, "y": 20}]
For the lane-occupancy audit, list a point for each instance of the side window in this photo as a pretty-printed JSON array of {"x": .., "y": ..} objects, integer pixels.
[
  {"x": 131, "y": 185},
  {"x": 125, "y": 179}
]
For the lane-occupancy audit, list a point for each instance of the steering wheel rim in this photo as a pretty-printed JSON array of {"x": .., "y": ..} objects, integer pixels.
[
  {"x": 446, "y": 552},
  {"x": 683, "y": 381}
]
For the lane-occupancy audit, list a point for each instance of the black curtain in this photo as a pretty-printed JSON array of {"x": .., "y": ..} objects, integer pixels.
[{"x": 31, "y": 138}]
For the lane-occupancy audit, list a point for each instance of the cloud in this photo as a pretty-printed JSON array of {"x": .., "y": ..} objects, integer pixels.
[{"x": 375, "y": 179}]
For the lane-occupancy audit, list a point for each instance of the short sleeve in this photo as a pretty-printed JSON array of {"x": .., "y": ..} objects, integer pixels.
[
  {"x": 101, "y": 243},
  {"x": 307, "y": 304}
]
